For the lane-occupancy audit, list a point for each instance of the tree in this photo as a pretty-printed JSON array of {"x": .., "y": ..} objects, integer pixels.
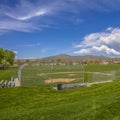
[
  {"x": 6, "y": 57},
  {"x": 58, "y": 61},
  {"x": 9, "y": 56},
  {"x": 1, "y": 55}
]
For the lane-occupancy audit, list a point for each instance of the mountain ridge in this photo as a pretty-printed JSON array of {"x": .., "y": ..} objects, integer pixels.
[{"x": 73, "y": 58}]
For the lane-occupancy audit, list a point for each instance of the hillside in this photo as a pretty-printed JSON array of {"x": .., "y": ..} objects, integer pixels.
[
  {"x": 73, "y": 58},
  {"x": 99, "y": 102},
  {"x": 64, "y": 58}
]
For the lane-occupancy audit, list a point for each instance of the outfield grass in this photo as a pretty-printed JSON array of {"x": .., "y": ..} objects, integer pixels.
[
  {"x": 36, "y": 75},
  {"x": 103, "y": 68},
  {"x": 99, "y": 102},
  {"x": 8, "y": 73}
]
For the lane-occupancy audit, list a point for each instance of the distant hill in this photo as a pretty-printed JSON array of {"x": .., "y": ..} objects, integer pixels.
[
  {"x": 73, "y": 58},
  {"x": 64, "y": 58}
]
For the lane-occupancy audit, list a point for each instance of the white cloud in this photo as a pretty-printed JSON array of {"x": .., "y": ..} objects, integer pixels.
[
  {"x": 6, "y": 25},
  {"x": 15, "y": 51},
  {"x": 21, "y": 17},
  {"x": 28, "y": 15},
  {"x": 107, "y": 42},
  {"x": 44, "y": 50},
  {"x": 102, "y": 50},
  {"x": 26, "y": 10},
  {"x": 31, "y": 45}
]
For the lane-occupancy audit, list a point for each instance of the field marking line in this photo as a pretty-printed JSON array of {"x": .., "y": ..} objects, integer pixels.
[
  {"x": 58, "y": 73},
  {"x": 100, "y": 73},
  {"x": 94, "y": 83}
]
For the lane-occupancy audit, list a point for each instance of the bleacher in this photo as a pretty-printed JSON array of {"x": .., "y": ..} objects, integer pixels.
[{"x": 7, "y": 84}]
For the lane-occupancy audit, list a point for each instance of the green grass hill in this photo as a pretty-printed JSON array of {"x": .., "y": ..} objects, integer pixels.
[{"x": 99, "y": 102}]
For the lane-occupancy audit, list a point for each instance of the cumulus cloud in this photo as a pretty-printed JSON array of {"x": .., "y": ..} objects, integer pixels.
[
  {"x": 101, "y": 43},
  {"x": 98, "y": 51}
]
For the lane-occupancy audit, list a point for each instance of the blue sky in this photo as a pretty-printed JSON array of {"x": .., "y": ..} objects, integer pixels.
[{"x": 40, "y": 28}]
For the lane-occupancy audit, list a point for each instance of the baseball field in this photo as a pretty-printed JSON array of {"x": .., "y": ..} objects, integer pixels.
[{"x": 42, "y": 102}]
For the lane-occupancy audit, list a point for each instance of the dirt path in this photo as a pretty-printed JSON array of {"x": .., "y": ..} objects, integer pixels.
[
  {"x": 100, "y": 73},
  {"x": 66, "y": 80}
]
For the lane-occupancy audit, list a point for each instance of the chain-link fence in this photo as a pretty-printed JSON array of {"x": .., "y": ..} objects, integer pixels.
[
  {"x": 100, "y": 76},
  {"x": 67, "y": 75},
  {"x": 37, "y": 74}
]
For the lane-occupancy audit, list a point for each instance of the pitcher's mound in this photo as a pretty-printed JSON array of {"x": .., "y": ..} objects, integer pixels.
[{"x": 66, "y": 80}]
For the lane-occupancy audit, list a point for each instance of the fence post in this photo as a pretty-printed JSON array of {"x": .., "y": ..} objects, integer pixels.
[{"x": 19, "y": 72}]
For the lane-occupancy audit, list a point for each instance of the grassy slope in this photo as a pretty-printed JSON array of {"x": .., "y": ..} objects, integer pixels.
[
  {"x": 8, "y": 73},
  {"x": 99, "y": 102}
]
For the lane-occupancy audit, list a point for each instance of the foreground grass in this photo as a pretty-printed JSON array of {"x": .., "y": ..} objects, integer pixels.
[{"x": 99, "y": 102}]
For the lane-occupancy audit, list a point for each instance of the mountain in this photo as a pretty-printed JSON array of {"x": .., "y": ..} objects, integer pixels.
[{"x": 66, "y": 57}]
